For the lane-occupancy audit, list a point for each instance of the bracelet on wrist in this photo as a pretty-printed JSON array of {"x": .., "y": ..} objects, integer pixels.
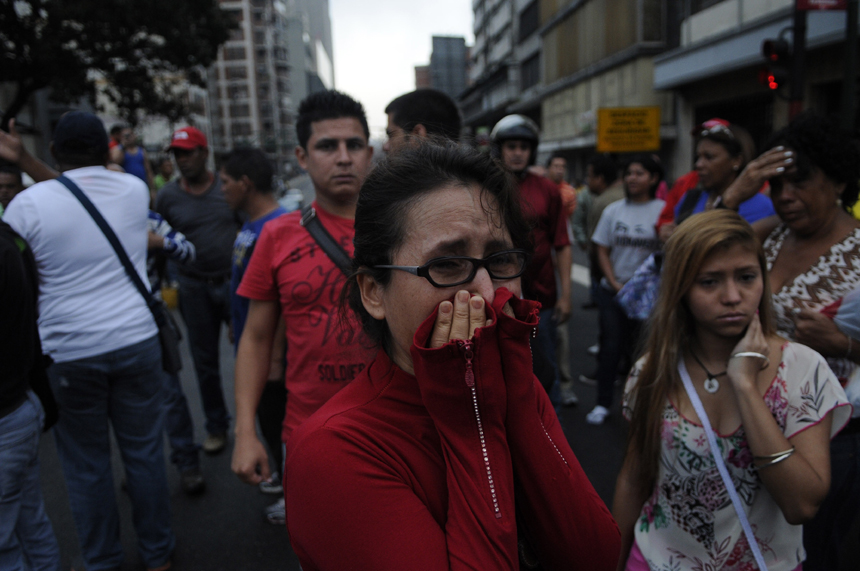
[
  {"x": 775, "y": 455},
  {"x": 779, "y": 458},
  {"x": 755, "y": 355}
]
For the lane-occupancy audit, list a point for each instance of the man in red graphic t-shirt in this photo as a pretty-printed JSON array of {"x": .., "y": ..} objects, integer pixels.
[
  {"x": 516, "y": 138},
  {"x": 289, "y": 275}
]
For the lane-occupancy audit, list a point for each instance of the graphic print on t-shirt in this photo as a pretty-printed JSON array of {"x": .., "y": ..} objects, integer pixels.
[
  {"x": 325, "y": 350},
  {"x": 638, "y": 236}
]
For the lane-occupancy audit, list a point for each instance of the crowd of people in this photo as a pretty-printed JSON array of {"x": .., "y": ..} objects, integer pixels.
[{"x": 402, "y": 351}]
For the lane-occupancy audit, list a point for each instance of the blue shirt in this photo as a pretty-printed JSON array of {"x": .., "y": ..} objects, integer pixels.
[
  {"x": 243, "y": 247},
  {"x": 755, "y": 208}
]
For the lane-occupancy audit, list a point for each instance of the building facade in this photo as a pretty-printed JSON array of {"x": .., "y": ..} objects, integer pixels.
[
  {"x": 560, "y": 61},
  {"x": 279, "y": 53},
  {"x": 448, "y": 65},
  {"x": 714, "y": 72}
]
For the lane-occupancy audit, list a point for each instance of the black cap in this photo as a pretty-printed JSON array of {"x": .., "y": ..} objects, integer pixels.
[{"x": 80, "y": 133}]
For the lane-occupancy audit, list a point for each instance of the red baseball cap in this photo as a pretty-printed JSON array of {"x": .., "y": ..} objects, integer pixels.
[{"x": 188, "y": 138}]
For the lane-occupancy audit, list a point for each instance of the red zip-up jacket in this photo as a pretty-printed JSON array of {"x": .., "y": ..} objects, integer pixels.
[{"x": 432, "y": 471}]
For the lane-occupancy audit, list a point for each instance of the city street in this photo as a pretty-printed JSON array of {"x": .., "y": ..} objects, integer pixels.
[{"x": 224, "y": 528}]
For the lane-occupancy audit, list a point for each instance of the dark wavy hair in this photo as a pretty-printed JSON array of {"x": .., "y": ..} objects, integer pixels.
[
  {"x": 821, "y": 143},
  {"x": 324, "y": 105},
  {"x": 392, "y": 189},
  {"x": 250, "y": 162},
  {"x": 429, "y": 107},
  {"x": 651, "y": 164}
]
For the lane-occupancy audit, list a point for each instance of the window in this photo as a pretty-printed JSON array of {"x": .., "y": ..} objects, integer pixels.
[
  {"x": 240, "y": 110},
  {"x": 529, "y": 20},
  {"x": 234, "y": 53},
  {"x": 530, "y": 72},
  {"x": 237, "y": 72},
  {"x": 699, "y": 5},
  {"x": 238, "y": 129},
  {"x": 238, "y": 91}
]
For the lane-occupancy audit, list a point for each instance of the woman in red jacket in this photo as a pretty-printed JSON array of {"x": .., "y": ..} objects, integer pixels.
[{"x": 445, "y": 453}]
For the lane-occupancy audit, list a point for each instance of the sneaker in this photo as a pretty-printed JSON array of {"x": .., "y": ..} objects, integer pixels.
[
  {"x": 568, "y": 397},
  {"x": 589, "y": 380},
  {"x": 215, "y": 443},
  {"x": 192, "y": 482},
  {"x": 272, "y": 485},
  {"x": 276, "y": 514},
  {"x": 597, "y": 415},
  {"x": 593, "y": 350}
]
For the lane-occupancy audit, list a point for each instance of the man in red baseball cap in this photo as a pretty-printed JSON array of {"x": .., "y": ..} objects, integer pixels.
[{"x": 195, "y": 205}]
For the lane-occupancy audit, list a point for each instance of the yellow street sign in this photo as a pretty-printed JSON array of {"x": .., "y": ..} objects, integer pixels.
[{"x": 628, "y": 129}]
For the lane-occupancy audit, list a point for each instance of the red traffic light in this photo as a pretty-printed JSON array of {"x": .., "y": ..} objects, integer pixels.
[
  {"x": 770, "y": 79},
  {"x": 775, "y": 50}
]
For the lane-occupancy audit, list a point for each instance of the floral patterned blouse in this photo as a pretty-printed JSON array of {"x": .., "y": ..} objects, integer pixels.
[
  {"x": 689, "y": 522},
  {"x": 834, "y": 275}
]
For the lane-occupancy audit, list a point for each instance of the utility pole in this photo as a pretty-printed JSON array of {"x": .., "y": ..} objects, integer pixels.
[
  {"x": 849, "y": 83},
  {"x": 795, "y": 105}
]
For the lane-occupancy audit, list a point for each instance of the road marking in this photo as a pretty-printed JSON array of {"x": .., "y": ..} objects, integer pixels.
[{"x": 581, "y": 275}]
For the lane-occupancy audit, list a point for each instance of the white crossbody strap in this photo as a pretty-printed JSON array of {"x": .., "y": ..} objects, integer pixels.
[{"x": 721, "y": 466}]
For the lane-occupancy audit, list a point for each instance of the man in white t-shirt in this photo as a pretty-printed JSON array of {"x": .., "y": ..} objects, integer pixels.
[{"x": 96, "y": 327}]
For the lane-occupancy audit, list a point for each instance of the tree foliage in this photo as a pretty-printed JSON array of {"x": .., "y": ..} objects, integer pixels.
[{"x": 141, "y": 49}]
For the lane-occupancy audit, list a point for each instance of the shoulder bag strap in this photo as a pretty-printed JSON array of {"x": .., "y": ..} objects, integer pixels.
[
  {"x": 721, "y": 466},
  {"x": 115, "y": 243},
  {"x": 688, "y": 203},
  {"x": 329, "y": 245}
]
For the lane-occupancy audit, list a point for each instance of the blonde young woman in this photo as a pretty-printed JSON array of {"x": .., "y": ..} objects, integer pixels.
[{"x": 772, "y": 416}]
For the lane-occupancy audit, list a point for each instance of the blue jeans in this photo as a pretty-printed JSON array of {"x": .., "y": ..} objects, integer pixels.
[
  {"x": 27, "y": 540},
  {"x": 123, "y": 388},
  {"x": 547, "y": 338},
  {"x": 180, "y": 429},
  {"x": 618, "y": 337},
  {"x": 204, "y": 307}
]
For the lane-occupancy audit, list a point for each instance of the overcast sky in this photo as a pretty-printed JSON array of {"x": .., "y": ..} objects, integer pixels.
[{"x": 378, "y": 43}]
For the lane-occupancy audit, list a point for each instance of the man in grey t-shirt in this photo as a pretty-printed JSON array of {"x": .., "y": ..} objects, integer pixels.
[{"x": 195, "y": 205}]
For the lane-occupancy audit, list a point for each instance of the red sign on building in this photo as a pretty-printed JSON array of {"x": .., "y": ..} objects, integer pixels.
[{"x": 822, "y": 4}]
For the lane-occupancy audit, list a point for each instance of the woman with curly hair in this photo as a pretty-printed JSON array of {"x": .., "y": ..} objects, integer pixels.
[
  {"x": 812, "y": 248},
  {"x": 768, "y": 400}
]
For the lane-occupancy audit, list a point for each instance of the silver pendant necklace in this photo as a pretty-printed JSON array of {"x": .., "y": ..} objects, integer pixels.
[{"x": 712, "y": 385}]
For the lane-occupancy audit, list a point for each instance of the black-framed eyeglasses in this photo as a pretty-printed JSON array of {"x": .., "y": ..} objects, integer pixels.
[{"x": 448, "y": 271}]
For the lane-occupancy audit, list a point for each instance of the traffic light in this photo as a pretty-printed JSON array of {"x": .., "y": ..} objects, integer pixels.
[{"x": 777, "y": 54}]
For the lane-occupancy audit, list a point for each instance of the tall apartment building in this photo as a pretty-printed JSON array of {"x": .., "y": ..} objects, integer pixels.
[
  {"x": 448, "y": 65},
  {"x": 559, "y": 61},
  {"x": 714, "y": 71},
  {"x": 597, "y": 54},
  {"x": 280, "y": 52},
  {"x": 495, "y": 63}
]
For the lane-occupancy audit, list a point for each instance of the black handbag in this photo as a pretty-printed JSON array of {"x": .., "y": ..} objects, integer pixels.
[{"x": 168, "y": 330}]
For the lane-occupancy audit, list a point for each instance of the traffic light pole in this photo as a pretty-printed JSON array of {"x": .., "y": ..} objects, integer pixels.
[
  {"x": 849, "y": 83},
  {"x": 795, "y": 105}
]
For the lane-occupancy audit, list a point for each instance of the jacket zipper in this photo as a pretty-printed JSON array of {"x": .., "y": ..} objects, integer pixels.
[
  {"x": 548, "y": 437},
  {"x": 468, "y": 354}
]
